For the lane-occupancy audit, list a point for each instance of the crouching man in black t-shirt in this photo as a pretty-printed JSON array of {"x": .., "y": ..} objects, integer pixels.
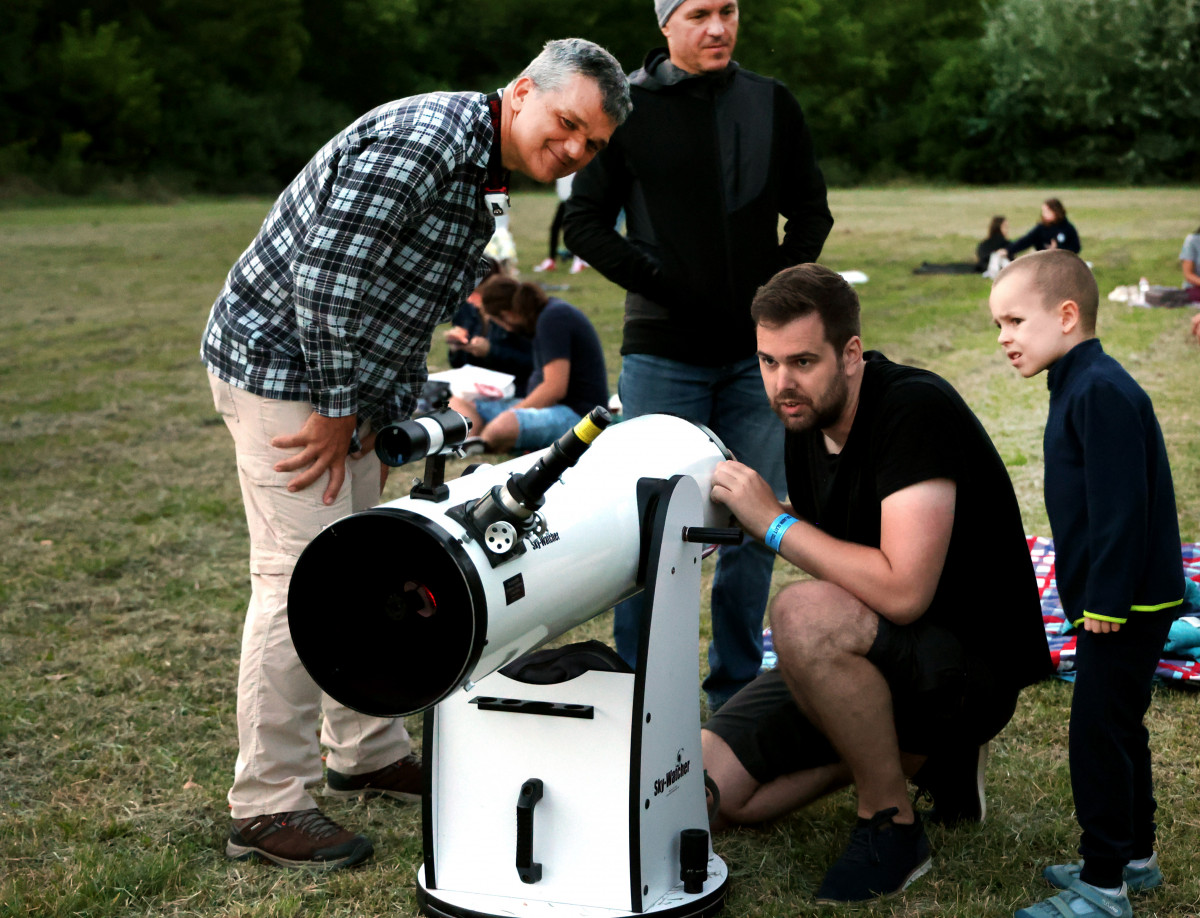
[{"x": 905, "y": 653}]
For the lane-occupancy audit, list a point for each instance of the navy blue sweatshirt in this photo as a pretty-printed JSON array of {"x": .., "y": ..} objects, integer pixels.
[
  {"x": 1108, "y": 492},
  {"x": 1062, "y": 232}
]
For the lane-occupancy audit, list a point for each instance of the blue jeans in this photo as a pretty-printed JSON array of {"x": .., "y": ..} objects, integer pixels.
[
  {"x": 537, "y": 428},
  {"x": 731, "y": 402}
]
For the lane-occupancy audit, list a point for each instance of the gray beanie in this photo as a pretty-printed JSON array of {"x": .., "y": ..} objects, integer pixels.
[{"x": 664, "y": 9}]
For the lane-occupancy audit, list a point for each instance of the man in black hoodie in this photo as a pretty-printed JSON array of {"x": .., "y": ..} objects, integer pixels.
[{"x": 709, "y": 159}]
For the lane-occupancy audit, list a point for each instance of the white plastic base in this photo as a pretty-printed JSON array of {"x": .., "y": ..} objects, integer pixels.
[{"x": 676, "y": 903}]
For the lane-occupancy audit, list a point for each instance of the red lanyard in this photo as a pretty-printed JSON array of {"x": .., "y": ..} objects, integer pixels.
[{"x": 495, "y": 192}]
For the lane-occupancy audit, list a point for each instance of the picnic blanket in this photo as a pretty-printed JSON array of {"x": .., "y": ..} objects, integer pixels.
[{"x": 1180, "y": 663}]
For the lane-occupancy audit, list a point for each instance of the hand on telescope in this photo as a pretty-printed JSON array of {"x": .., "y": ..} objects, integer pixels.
[
  {"x": 324, "y": 443},
  {"x": 747, "y": 495}
]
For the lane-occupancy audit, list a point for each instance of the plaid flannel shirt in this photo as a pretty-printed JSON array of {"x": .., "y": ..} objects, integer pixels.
[{"x": 370, "y": 247}]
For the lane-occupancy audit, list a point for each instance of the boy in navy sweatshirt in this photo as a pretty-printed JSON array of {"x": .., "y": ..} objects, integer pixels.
[{"x": 1116, "y": 538}]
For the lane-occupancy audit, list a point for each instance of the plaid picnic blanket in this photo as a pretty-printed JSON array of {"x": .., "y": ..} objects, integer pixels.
[{"x": 1180, "y": 663}]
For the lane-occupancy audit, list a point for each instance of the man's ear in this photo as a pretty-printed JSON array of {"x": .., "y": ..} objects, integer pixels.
[
  {"x": 853, "y": 351},
  {"x": 520, "y": 90}
]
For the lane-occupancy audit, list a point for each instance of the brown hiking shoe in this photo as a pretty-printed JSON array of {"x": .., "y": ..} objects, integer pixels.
[
  {"x": 303, "y": 838},
  {"x": 402, "y": 780}
]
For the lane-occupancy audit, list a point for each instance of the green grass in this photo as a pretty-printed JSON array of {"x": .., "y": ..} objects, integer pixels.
[{"x": 123, "y": 576}]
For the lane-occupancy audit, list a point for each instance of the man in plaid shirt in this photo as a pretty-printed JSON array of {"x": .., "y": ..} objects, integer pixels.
[{"x": 317, "y": 340}]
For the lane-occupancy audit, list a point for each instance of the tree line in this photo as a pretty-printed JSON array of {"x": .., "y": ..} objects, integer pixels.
[{"x": 235, "y": 95}]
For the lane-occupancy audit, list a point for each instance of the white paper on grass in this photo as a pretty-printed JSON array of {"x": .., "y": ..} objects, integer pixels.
[{"x": 470, "y": 382}]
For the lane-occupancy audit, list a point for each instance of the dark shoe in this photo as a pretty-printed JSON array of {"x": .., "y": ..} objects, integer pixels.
[
  {"x": 953, "y": 780},
  {"x": 402, "y": 780},
  {"x": 1138, "y": 879},
  {"x": 883, "y": 857},
  {"x": 472, "y": 446},
  {"x": 712, "y": 797},
  {"x": 304, "y": 838}
]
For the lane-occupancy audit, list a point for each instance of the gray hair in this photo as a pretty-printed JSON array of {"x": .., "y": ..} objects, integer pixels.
[{"x": 563, "y": 58}]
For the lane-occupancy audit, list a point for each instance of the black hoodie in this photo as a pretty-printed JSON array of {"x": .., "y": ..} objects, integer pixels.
[{"x": 704, "y": 166}]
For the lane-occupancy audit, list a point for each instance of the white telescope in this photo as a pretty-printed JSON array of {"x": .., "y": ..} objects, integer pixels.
[
  {"x": 436, "y": 607},
  {"x": 602, "y": 768}
]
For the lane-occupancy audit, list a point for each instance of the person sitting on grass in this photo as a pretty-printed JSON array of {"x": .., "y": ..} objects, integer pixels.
[
  {"x": 1111, "y": 506},
  {"x": 997, "y": 239},
  {"x": 569, "y": 378},
  {"x": 1053, "y": 231},
  {"x": 473, "y": 340},
  {"x": 1189, "y": 263}
]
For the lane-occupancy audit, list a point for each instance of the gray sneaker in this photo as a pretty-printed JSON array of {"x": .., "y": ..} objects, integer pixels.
[{"x": 1139, "y": 879}]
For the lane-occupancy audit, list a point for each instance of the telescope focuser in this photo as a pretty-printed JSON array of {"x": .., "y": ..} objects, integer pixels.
[{"x": 501, "y": 518}]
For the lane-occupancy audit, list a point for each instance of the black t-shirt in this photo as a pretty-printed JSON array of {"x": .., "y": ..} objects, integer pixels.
[
  {"x": 563, "y": 332},
  {"x": 912, "y": 426}
]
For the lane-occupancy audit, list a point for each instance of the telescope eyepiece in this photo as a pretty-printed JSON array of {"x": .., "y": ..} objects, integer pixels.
[{"x": 529, "y": 489}]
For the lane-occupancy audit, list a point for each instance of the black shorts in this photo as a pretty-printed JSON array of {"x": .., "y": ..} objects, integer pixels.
[{"x": 941, "y": 697}]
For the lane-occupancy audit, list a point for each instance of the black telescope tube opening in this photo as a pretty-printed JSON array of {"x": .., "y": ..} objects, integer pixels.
[{"x": 387, "y": 612}]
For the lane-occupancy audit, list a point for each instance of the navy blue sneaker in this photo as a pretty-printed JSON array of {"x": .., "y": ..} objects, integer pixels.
[
  {"x": 953, "y": 779},
  {"x": 883, "y": 858}
]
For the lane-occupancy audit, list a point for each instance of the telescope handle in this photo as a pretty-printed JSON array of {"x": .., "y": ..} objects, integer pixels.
[
  {"x": 710, "y": 535},
  {"x": 529, "y": 870}
]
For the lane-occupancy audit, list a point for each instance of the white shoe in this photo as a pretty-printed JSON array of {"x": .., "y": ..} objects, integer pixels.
[
  {"x": 578, "y": 265},
  {"x": 547, "y": 264}
]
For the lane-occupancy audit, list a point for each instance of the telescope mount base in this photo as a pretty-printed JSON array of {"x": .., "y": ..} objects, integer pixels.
[{"x": 675, "y": 904}]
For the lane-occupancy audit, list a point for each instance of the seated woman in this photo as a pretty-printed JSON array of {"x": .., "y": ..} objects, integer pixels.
[
  {"x": 1054, "y": 231},
  {"x": 997, "y": 239},
  {"x": 1189, "y": 258},
  {"x": 474, "y": 339},
  {"x": 569, "y": 377}
]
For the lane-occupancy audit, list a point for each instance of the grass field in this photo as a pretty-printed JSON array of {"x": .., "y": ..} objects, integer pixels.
[{"x": 123, "y": 575}]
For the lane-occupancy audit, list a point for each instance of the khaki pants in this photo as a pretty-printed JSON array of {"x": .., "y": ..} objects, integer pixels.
[{"x": 278, "y": 704}]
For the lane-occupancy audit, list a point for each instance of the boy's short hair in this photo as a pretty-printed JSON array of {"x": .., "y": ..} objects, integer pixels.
[
  {"x": 801, "y": 290},
  {"x": 1059, "y": 275}
]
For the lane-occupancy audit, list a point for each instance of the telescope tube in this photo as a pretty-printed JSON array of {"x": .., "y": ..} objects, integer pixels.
[{"x": 393, "y": 609}]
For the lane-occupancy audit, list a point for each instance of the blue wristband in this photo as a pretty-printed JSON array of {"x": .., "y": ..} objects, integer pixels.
[{"x": 776, "y": 530}]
